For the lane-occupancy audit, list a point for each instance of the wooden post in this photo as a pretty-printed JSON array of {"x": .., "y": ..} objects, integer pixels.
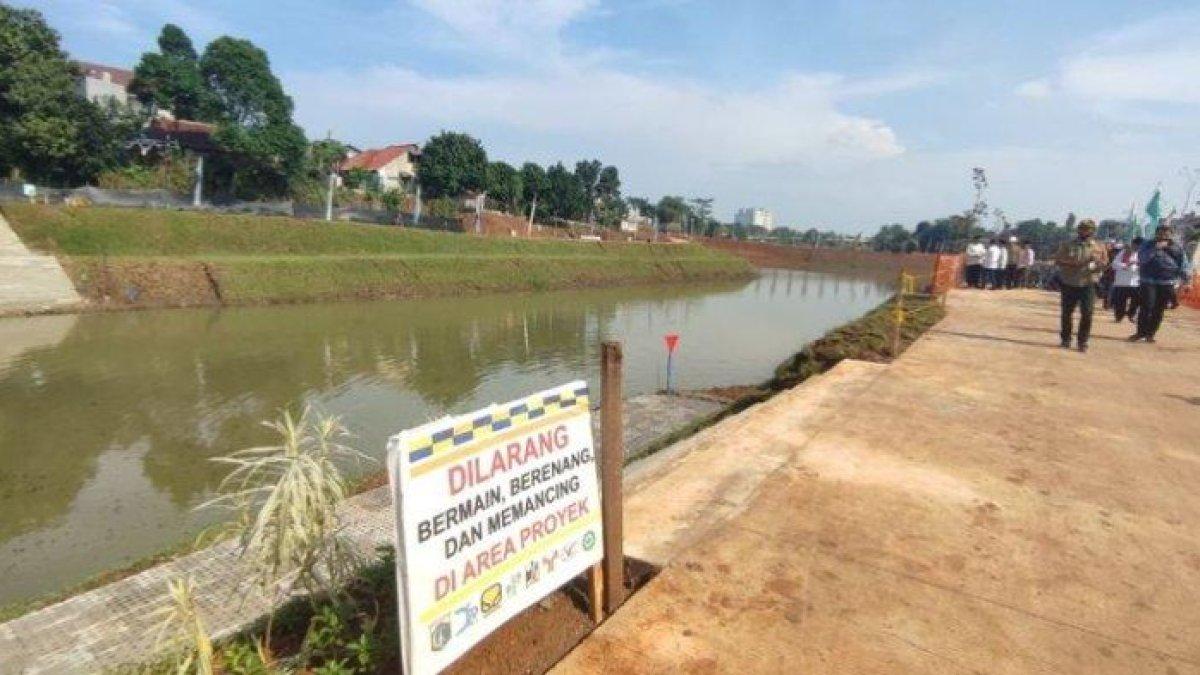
[
  {"x": 899, "y": 316},
  {"x": 612, "y": 459},
  {"x": 596, "y": 591}
]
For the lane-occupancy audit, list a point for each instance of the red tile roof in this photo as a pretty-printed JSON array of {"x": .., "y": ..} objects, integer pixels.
[
  {"x": 374, "y": 160},
  {"x": 96, "y": 70},
  {"x": 170, "y": 126}
]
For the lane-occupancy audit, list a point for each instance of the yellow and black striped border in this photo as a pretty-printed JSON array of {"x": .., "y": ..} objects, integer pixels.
[{"x": 499, "y": 420}]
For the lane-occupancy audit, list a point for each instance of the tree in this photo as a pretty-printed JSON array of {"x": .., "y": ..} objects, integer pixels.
[
  {"x": 607, "y": 194},
  {"x": 452, "y": 164},
  {"x": 587, "y": 172},
  {"x": 47, "y": 131},
  {"x": 566, "y": 196},
  {"x": 533, "y": 183},
  {"x": 265, "y": 147},
  {"x": 504, "y": 185},
  {"x": 672, "y": 209},
  {"x": 642, "y": 205},
  {"x": 893, "y": 238},
  {"x": 170, "y": 78}
]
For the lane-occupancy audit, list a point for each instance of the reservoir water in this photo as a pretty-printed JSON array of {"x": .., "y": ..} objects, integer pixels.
[{"x": 108, "y": 421}]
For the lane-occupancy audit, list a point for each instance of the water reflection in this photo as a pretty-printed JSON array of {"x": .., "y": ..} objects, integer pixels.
[{"x": 108, "y": 421}]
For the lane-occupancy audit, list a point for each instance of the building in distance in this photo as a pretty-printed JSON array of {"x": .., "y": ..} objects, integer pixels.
[
  {"x": 104, "y": 85},
  {"x": 753, "y": 216},
  {"x": 394, "y": 167}
]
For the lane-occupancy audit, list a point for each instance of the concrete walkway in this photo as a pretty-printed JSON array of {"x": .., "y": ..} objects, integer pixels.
[
  {"x": 987, "y": 503},
  {"x": 31, "y": 282},
  {"x": 117, "y": 624}
]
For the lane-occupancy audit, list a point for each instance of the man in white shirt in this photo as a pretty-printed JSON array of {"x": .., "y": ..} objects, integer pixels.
[
  {"x": 974, "y": 259},
  {"x": 1125, "y": 291},
  {"x": 1025, "y": 261},
  {"x": 994, "y": 262}
]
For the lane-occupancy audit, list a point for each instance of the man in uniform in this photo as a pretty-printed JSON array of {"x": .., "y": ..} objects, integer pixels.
[{"x": 1080, "y": 262}]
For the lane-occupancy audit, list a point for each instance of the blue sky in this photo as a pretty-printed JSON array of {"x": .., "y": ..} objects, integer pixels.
[{"x": 832, "y": 114}]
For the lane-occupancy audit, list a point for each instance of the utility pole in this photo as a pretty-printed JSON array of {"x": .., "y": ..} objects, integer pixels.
[
  {"x": 329, "y": 194},
  {"x": 532, "y": 210},
  {"x": 417, "y": 212},
  {"x": 198, "y": 190},
  {"x": 332, "y": 182}
]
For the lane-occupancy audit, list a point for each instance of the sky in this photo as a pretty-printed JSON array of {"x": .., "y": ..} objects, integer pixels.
[{"x": 839, "y": 115}]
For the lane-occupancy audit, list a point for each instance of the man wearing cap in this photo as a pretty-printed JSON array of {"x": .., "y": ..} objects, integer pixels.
[
  {"x": 1080, "y": 262},
  {"x": 1160, "y": 264}
]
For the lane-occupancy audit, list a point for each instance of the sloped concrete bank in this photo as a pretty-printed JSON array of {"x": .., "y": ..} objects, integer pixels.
[{"x": 31, "y": 282}]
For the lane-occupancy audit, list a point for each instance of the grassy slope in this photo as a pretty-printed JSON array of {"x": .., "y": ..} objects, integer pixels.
[{"x": 153, "y": 257}]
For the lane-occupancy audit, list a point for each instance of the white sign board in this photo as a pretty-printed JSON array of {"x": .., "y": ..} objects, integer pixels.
[{"x": 494, "y": 511}]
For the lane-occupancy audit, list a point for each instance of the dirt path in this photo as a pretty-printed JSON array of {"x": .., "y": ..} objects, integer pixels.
[{"x": 988, "y": 503}]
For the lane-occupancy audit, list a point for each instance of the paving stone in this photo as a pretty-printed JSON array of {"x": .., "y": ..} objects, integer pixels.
[{"x": 118, "y": 623}]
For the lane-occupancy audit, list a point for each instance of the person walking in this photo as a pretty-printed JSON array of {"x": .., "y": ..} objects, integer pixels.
[
  {"x": 994, "y": 263},
  {"x": 1125, "y": 282},
  {"x": 1105, "y": 285},
  {"x": 1025, "y": 260},
  {"x": 1160, "y": 264},
  {"x": 1079, "y": 262},
  {"x": 1012, "y": 255},
  {"x": 974, "y": 262}
]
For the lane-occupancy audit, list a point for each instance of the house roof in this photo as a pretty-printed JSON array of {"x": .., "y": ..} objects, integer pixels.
[
  {"x": 377, "y": 158},
  {"x": 190, "y": 134},
  {"x": 97, "y": 71}
]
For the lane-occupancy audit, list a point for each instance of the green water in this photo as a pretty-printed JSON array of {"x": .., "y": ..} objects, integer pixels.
[{"x": 108, "y": 421}]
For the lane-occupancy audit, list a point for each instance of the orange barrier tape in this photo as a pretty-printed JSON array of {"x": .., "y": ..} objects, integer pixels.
[
  {"x": 1191, "y": 295},
  {"x": 945, "y": 273}
]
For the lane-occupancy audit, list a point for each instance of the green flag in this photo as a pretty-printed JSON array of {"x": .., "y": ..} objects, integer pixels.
[{"x": 1154, "y": 210}]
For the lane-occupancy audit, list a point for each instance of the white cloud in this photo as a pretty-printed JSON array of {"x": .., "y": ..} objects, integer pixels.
[
  {"x": 1140, "y": 63},
  {"x": 667, "y": 134},
  {"x": 1035, "y": 89},
  {"x": 794, "y": 121},
  {"x": 1166, "y": 75},
  {"x": 524, "y": 29}
]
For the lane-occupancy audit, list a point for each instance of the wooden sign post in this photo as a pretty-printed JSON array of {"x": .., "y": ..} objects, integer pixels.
[{"x": 607, "y": 580}]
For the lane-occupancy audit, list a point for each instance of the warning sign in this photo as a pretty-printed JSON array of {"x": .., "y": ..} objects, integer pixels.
[{"x": 494, "y": 511}]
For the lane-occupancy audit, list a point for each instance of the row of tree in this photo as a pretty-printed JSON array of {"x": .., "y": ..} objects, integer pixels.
[
  {"x": 454, "y": 164},
  {"x": 49, "y": 134},
  {"x": 952, "y": 233}
]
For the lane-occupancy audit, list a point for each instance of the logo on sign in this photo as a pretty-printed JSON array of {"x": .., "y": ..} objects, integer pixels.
[
  {"x": 491, "y": 599},
  {"x": 532, "y": 573},
  {"x": 589, "y": 541},
  {"x": 440, "y": 633},
  {"x": 469, "y": 614}
]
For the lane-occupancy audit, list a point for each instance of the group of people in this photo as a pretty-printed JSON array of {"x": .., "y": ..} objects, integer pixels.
[
  {"x": 1141, "y": 281},
  {"x": 999, "y": 264}
]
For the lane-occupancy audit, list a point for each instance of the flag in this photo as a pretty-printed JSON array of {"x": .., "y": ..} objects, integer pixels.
[{"x": 1154, "y": 210}]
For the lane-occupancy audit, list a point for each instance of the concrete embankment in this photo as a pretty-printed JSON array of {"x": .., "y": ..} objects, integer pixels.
[
  {"x": 121, "y": 258},
  {"x": 31, "y": 282},
  {"x": 986, "y": 503}
]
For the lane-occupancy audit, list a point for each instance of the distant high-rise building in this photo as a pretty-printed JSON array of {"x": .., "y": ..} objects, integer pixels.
[{"x": 755, "y": 217}]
